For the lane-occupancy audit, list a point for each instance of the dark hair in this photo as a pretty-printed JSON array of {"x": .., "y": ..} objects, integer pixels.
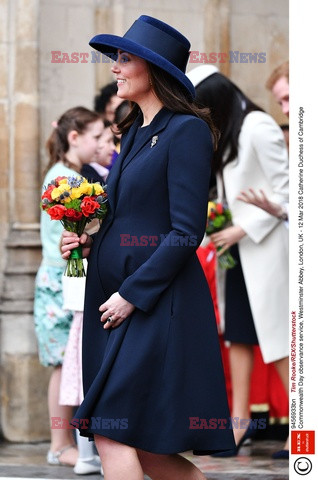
[
  {"x": 101, "y": 100},
  {"x": 174, "y": 97},
  {"x": 107, "y": 123},
  {"x": 229, "y": 106},
  {"x": 284, "y": 127},
  {"x": 122, "y": 111},
  {"x": 76, "y": 118}
]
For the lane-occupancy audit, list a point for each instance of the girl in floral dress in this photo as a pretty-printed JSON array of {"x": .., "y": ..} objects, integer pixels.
[{"x": 73, "y": 142}]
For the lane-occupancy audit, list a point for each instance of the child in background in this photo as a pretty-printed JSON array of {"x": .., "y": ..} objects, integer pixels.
[
  {"x": 106, "y": 146},
  {"x": 97, "y": 171},
  {"x": 71, "y": 392},
  {"x": 73, "y": 142}
]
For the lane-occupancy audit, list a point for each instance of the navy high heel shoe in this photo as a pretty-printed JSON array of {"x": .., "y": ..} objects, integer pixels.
[
  {"x": 250, "y": 433},
  {"x": 281, "y": 455}
]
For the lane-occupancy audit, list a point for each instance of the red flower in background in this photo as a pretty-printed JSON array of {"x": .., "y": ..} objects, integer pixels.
[
  {"x": 57, "y": 212},
  {"x": 89, "y": 206},
  {"x": 73, "y": 215},
  {"x": 218, "y": 218},
  {"x": 219, "y": 208},
  {"x": 47, "y": 193},
  {"x": 58, "y": 179}
]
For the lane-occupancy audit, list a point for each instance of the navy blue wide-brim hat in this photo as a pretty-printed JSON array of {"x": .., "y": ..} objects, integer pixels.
[{"x": 154, "y": 41}]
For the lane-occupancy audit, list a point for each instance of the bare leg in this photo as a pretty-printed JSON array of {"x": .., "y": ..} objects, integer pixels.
[
  {"x": 282, "y": 366},
  {"x": 119, "y": 461},
  {"x": 60, "y": 437},
  {"x": 241, "y": 365},
  {"x": 167, "y": 467}
]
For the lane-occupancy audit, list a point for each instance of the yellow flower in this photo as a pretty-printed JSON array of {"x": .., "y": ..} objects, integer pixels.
[
  {"x": 84, "y": 189},
  {"x": 211, "y": 206},
  {"x": 58, "y": 191},
  {"x": 63, "y": 181},
  {"x": 98, "y": 189}
]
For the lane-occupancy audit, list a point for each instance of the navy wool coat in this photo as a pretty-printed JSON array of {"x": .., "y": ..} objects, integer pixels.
[{"x": 154, "y": 380}]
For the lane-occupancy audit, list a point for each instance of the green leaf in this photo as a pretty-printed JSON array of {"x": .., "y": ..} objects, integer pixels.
[{"x": 219, "y": 221}]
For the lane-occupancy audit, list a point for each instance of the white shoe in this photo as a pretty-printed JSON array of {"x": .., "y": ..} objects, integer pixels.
[
  {"x": 53, "y": 458},
  {"x": 89, "y": 465}
]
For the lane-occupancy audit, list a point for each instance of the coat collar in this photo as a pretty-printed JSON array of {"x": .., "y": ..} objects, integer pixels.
[
  {"x": 158, "y": 124},
  {"x": 129, "y": 150}
]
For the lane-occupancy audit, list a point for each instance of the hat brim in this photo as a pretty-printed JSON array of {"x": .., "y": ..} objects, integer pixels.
[{"x": 109, "y": 44}]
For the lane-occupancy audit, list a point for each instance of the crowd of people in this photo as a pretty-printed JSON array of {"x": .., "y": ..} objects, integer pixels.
[{"x": 141, "y": 346}]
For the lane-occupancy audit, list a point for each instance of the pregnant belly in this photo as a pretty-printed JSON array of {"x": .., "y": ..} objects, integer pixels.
[{"x": 116, "y": 257}]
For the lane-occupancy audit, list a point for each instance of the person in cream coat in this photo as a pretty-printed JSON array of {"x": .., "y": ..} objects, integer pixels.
[{"x": 251, "y": 152}]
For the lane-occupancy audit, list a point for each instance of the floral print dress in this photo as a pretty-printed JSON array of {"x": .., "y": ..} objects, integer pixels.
[{"x": 52, "y": 323}]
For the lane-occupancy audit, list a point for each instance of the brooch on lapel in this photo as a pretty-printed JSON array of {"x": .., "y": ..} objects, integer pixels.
[{"x": 154, "y": 140}]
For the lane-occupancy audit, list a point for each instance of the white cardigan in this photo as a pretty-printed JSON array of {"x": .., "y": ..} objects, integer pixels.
[{"x": 262, "y": 163}]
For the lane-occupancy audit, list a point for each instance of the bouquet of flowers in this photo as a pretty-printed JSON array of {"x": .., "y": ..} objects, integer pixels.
[
  {"x": 219, "y": 217},
  {"x": 74, "y": 202}
]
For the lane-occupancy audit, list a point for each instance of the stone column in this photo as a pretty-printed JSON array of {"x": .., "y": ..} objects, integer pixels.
[
  {"x": 4, "y": 131},
  {"x": 24, "y": 381},
  {"x": 217, "y": 31},
  {"x": 106, "y": 21}
]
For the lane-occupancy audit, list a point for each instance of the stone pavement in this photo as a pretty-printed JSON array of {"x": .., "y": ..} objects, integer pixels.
[{"x": 25, "y": 461}]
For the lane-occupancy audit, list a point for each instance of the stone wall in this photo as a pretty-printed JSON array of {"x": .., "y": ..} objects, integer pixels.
[
  {"x": 34, "y": 91},
  {"x": 19, "y": 232},
  {"x": 63, "y": 26},
  {"x": 258, "y": 26}
]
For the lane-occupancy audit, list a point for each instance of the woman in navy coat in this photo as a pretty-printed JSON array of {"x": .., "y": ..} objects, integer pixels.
[{"x": 153, "y": 377}]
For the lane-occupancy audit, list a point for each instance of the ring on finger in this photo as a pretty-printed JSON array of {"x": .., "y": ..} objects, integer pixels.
[{"x": 110, "y": 320}]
